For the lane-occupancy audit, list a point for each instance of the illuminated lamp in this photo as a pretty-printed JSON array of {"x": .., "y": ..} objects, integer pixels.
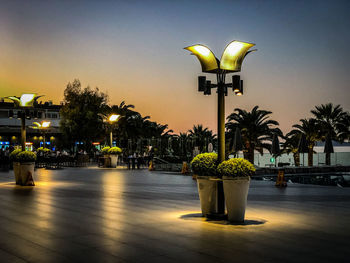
[{"x": 113, "y": 117}]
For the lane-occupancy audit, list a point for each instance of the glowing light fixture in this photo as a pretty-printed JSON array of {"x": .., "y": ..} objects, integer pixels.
[
  {"x": 26, "y": 100},
  {"x": 231, "y": 59},
  {"x": 236, "y": 83},
  {"x": 205, "y": 56},
  {"x": 234, "y": 54},
  {"x": 113, "y": 117},
  {"x": 45, "y": 124}
]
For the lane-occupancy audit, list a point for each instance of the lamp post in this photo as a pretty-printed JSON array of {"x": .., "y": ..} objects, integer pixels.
[
  {"x": 112, "y": 119},
  {"x": 25, "y": 102},
  {"x": 231, "y": 61}
]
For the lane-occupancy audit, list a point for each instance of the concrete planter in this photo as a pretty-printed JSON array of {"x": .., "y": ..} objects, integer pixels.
[
  {"x": 236, "y": 193},
  {"x": 27, "y": 173},
  {"x": 207, "y": 190},
  {"x": 114, "y": 160},
  {"x": 17, "y": 172}
]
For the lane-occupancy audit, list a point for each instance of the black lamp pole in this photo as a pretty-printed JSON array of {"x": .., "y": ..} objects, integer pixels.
[
  {"x": 221, "y": 139},
  {"x": 237, "y": 87},
  {"x": 221, "y": 116},
  {"x": 23, "y": 131}
]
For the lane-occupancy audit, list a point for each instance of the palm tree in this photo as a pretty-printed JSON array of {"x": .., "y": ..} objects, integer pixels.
[
  {"x": 311, "y": 129},
  {"x": 201, "y": 136},
  {"x": 183, "y": 147},
  {"x": 330, "y": 119},
  {"x": 344, "y": 128},
  {"x": 122, "y": 108},
  {"x": 290, "y": 145},
  {"x": 256, "y": 129}
]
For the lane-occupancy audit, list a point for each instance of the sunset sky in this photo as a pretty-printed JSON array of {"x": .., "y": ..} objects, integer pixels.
[{"x": 133, "y": 50}]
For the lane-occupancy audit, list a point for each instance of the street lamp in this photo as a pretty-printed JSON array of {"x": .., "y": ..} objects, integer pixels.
[
  {"x": 112, "y": 119},
  {"x": 25, "y": 101},
  {"x": 231, "y": 61},
  {"x": 42, "y": 126}
]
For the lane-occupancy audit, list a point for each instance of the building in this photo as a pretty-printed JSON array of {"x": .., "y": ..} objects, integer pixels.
[{"x": 10, "y": 125}]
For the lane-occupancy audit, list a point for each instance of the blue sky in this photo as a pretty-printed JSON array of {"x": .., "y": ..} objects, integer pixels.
[{"x": 134, "y": 51}]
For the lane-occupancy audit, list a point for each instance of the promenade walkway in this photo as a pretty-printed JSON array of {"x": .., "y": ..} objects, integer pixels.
[{"x": 106, "y": 215}]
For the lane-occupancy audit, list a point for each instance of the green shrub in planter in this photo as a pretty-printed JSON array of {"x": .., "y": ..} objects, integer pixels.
[
  {"x": 236, "y": 167},
  {"x": 26, "y": 156},
  {"x": 43, "y": 150},
  {"x": 204, "y": 164},
  {"x": 114, "y": 150},
  {"x": 14, "y": 154},
  {"x": 105, "y": 150}
]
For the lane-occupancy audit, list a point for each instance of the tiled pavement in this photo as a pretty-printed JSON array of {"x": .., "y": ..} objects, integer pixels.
[{"x": 116, "y": 215}]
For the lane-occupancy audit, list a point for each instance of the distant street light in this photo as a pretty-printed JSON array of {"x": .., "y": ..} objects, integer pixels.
[
  {"x": 112, "y": 119},
  {"x": 45, "y": 124},
  {"x": 231, "y": 61},
  {"x": 42, "y": 126},
  {"x": 25, "y": 101}
]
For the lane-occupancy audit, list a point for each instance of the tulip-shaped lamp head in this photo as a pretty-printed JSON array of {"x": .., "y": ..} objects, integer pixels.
[
  {"x": 231, "y": 59},
  {"x": 43, "y": 124},
  {"x": 26, "y": 100},
  {"x": 206, "y": 57}
]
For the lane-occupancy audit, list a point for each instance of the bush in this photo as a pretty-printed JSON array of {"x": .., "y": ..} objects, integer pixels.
[
  {"x": 204, "y": 164},
  {"x": 14, "y": 154},
  {"x": 114, "y": 150},
  {"x": 43, "y": 150},
  {"x": 26, "y": 156},
  {"x": 105, "y": 150},
  {"x": 236, "y": 167}
]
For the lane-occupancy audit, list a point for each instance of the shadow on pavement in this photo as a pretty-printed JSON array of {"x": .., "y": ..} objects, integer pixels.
[{"x": 200, "y": 217}]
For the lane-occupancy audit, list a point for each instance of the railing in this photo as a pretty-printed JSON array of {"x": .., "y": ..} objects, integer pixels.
[{"x": 56, "y": 162}]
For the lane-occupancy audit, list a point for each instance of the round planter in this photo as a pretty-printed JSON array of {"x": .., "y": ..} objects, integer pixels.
[
  {"x": 236, "y": 193},
  {"x": 207, "y": 190},
  {"x": 114, "y": 160},
  {"x": 27, "y": 173},
  {"x": 17, "y": 172}
]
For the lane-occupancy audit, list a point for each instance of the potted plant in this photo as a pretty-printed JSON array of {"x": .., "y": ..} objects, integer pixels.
[
  {"x": 27, "y": 163},
  {"x": 204, "y": 166},
  {"x": 113, "y": 154},
  {"x": 43, "y": 151},
  {"x": 236, "y": 174},
  {"x": 107, "y": 160},
  {"x": 104, "y": 150},
  {"x": 16, "y": 165}
]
